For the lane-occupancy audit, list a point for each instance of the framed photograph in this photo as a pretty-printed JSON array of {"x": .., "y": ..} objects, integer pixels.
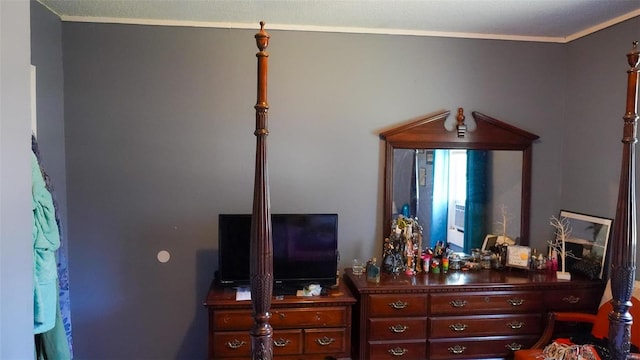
[
  {"x": 518, "y": 256},
  {"x": 490, "y": 242},
  {"x": 587, "y": 243}
]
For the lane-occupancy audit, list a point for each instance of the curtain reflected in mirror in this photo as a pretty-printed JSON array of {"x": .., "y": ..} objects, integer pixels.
[{"x": 458, "y": 195}]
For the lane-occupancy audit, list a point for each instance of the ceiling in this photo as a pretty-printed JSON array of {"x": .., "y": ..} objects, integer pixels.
[{"x": 528, "y": 20}]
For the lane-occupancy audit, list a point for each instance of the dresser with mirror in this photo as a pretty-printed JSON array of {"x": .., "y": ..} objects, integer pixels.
[{"x": 473, "y": 314}]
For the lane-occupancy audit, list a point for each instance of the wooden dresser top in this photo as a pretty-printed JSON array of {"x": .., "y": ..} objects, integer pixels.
[
  {"x": 226, "y": 298},
  {"x": 457, "y": 280}
]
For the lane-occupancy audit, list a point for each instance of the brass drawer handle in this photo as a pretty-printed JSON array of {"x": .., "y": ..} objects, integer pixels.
[
  {"x": 324, "y": 341},
  {"x": 282, "y": 316},
  {"x": 235, "y": 344},
  {"x": 458, "y": 327},
  {"x": 281, "y": 342},
  {"x": 398, "y": 305},
  {"x": 571, "y": 299},
  {"x": 458, "y": 349},
  {"x": 515, "y": 302},
  {"x": 513, "y": 346},
  {"x": 458, "y": 303},
  {"x": 398, "y": 351},
  {"x": 398, "y": 328},
  {"x": 516, "y": 324}
]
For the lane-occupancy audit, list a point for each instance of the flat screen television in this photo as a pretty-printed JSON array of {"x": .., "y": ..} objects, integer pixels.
[{"x": 305, "y": 250}]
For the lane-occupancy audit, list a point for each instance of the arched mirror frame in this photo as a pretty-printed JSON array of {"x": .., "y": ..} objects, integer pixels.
[{"x": 430, "y": 133}]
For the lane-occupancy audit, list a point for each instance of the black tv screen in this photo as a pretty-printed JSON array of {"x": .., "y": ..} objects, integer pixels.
[{"x": 305, "y": 248}]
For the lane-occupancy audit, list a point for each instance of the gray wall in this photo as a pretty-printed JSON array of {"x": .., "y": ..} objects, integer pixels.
[
  {"x": 16, "y": 245},
  {"x": 159, "y": 125},
  {"x": 158, "y": 128},
  {"x": 596, "y": 94}
]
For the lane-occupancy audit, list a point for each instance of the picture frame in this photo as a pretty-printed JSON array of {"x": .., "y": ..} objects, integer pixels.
[
  {"x": 589, "y": 241},
  {"x": 489, "y": 242},
  {"x": 518, "y": 256}
]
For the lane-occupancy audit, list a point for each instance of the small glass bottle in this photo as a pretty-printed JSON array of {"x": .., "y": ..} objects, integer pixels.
[
  {"x": 532, "y": 260},
  {"x": 445, "y": 264},
  {"x": 485, "y": 260},
  {"x": 426, "y": 262},
  {"x": 373, "y": 271},
  {"x": 435, "y": 266}
]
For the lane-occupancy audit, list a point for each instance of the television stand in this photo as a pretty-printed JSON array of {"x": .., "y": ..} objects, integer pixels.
[{"x": 309, "y": 327}]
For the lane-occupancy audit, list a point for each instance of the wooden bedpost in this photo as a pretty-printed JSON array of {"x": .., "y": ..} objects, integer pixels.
[
  {"x": 623, "y": 260},
  {"x": 261, "y": 256}
]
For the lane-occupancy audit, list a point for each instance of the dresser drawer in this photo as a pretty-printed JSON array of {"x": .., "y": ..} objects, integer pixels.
[
  {"x": 231, "y": 320},
  {"x": 486, "y": 303},
  {"x": 398, "y": 305},
  {"x": 238, "y": 343},
  {"x": 484, "y": 325},
  {"x": 231, "y": 344},
  {"x": 325, "y": 341},
  {"x": 479, "y": 347},
  {"x": 287, "y": 342},
  {"x": 398, "y": 328},
  {"x": 410, "y": 350},
  {"x": 308, "y": 317},
  {"x": 573, "y": 300},
  {"x": 282, "y": 318}
]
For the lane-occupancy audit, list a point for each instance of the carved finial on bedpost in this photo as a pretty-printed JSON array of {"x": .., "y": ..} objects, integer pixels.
[
  {"x": 623, "y": 254},
  {"x": 633, "y": 56},
  {"x": 262, "y": 37}
]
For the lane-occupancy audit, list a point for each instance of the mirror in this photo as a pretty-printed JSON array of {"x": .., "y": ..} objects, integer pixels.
[
  {"x": 434, "y": 185},
  {"x": 461, "y": 185}
]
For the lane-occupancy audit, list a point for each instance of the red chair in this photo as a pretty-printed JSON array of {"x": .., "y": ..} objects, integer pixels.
[{"x": 599, "y": 322}]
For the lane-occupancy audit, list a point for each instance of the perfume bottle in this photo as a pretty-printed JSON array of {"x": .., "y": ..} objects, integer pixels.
[{"x": 373, "y": 271}]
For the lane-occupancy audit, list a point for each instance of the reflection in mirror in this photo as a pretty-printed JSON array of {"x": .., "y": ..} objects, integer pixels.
[{"x": 459, "y": 195}]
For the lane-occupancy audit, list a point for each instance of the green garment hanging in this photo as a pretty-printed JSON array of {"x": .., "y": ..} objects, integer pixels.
[{"x": 46, "y": 240}]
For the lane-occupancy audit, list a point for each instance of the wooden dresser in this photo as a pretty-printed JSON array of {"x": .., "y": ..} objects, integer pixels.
[
  {"x": 483, "y": 314},
  {"x": 311, "y": 328}
]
